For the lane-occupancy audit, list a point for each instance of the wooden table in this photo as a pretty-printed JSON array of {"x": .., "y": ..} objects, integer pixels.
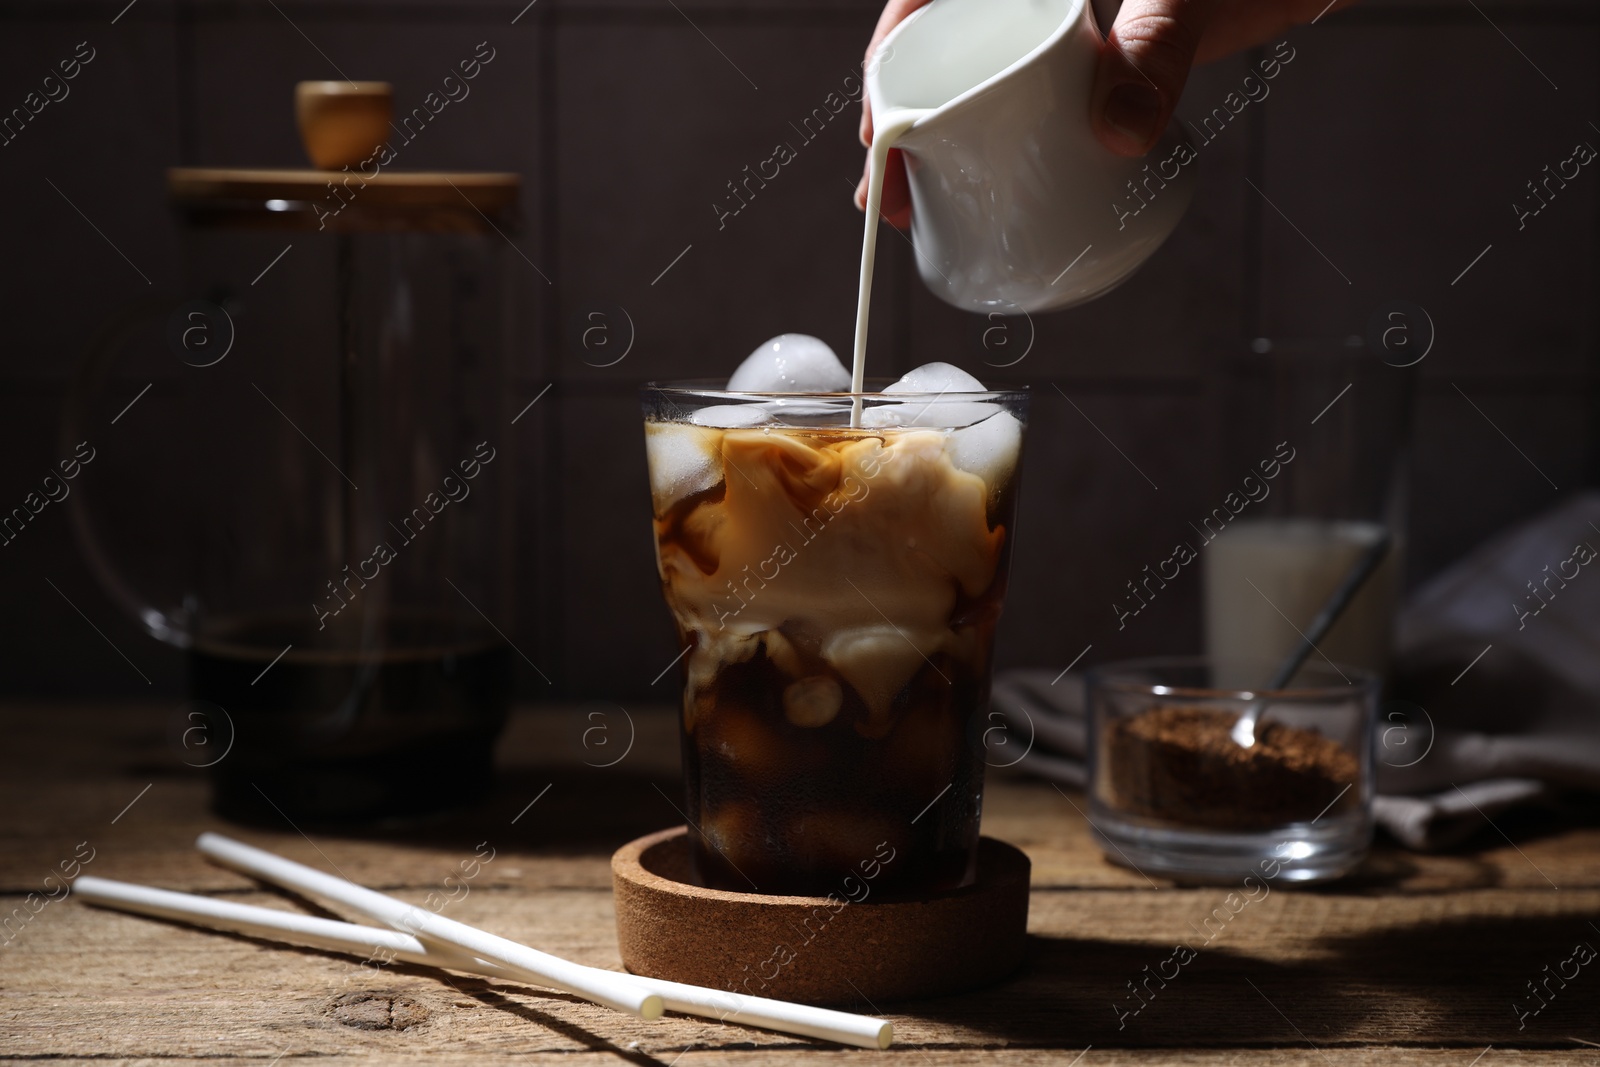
[{"x": 1418, "y": 959}]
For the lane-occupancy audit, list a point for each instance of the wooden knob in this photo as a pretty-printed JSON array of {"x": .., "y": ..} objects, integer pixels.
[{"x": 342, "y": 123}]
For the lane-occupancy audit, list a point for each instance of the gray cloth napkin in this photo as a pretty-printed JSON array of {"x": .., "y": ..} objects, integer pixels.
[{"x": 1496, "y": 687}]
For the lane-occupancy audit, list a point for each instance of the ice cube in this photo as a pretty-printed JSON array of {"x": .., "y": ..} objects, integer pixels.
[
  {"x": 933, "y": 380},
  {"x": 877, "y": 661},
  {"x": 812, "y": 702},
  {"x": 926, "y": 414},
  {"x": 731, "y": 416},
  {"x": 789, "y": 411},
  {"x": 791, "y": 363},
  {"x": 936, "y": 378},
  {"x": 682, "y": 459},
  {"x": 988, "y": 449}
]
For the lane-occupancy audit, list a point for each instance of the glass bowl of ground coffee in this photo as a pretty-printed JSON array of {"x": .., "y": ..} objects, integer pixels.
[{"x": 1172, "y": 791}]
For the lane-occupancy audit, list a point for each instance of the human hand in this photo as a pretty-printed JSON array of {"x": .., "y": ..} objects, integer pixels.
[{"x": 1143, "y": 65}]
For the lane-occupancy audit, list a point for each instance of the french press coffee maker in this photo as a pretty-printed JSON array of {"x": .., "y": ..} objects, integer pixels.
[{"x": 319, "y": 514}]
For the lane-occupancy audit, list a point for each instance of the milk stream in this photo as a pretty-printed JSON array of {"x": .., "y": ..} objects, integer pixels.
[{"x": 887, "y": 129}]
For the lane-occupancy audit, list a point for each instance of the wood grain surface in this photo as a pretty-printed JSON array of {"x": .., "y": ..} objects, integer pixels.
[{"x": 1414, "y": 959}]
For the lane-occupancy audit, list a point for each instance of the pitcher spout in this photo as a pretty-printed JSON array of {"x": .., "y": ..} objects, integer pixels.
[{"x": 1015, "y": 204}]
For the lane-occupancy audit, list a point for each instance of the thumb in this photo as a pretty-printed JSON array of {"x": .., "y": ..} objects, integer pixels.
[{"x": 1141, "y": 72}]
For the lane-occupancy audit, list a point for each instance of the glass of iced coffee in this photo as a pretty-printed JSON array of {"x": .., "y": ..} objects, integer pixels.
[{"x": 835, "y": 564}]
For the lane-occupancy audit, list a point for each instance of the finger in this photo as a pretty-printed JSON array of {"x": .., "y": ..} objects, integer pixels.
[
  {"x": 894, "y": 207},
  {"x": 894, "y": 13},
  {"x": 1143, "y": 66}
]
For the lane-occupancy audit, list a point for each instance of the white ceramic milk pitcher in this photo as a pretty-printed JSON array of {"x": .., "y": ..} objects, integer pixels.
[{"x": 1015, "y": 204}]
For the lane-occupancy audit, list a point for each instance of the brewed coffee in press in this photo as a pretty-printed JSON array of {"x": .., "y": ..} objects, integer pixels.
[{"x": 342, "y": 585}]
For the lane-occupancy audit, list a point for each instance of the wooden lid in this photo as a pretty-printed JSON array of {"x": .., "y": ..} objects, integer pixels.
[
  {"x": 345, "y": 200},
  {"x": 817, "y": 950}
]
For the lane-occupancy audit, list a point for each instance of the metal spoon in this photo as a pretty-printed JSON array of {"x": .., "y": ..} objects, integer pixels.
[{"x": 1244, "y": 729}]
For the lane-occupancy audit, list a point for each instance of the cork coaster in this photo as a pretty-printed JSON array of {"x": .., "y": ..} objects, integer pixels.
[{"x": 812, "y": 949}]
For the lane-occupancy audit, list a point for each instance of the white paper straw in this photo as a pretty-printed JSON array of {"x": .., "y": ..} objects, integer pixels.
[
  {"x": 861, "y": 1031},
  {"x": 288, "y": 926},
  {"x": 847, "y": 1028},
  {"x": 603, "y": 987}
]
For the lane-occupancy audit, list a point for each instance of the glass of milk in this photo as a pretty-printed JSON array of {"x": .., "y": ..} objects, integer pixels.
[{"x": 1312, "y": 447}]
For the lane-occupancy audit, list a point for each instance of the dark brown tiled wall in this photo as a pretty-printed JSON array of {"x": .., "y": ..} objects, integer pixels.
[{"x": 1391, "y": 149}]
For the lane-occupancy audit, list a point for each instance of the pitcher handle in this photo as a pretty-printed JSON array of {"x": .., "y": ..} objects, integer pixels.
[{"x": 103, "y": 349}]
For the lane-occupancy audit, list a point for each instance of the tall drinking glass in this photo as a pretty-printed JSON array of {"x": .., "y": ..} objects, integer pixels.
[
  {"x": 836, "y": 579},
  {"x": 1313, "y": 446}
]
